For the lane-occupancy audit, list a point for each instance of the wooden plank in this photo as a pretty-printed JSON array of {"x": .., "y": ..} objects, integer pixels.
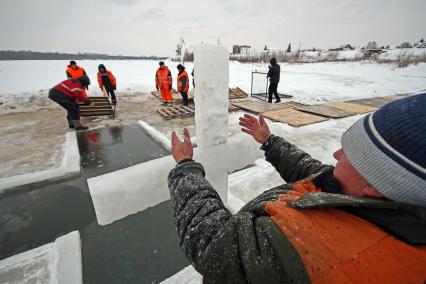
[
  {"x": 373, "y": 102},
  {"x": 324, "y": 110},
  {"x": 293, "y": 117},
  {"x": 352, "y": 108},
  {"x": 259, "y": 106}
]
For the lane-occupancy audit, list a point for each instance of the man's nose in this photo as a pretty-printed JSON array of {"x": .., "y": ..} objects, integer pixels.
[{"x": 338, "y": 154}]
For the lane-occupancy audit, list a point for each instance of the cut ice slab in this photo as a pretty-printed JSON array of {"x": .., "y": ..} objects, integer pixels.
[
  {"x": 118, "y": 194},
  {"x": 57, "y": 262}
]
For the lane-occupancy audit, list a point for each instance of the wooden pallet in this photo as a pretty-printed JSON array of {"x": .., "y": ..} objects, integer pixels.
[
  {"x": 352, "y": 108},
  {"x": 176, "y": 111},
  {"x": 184, "y": 111},
  {"x": 293, "y": 117},
  {"x": 175, "y": 95},
  {"x": 324, "y": 110},
  {"x": 100, "y": 106},
  {"x": 237, "y": 93}
]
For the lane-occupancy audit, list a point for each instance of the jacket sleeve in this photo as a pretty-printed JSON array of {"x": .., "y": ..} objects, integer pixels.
[
  {"x": 112, "y": 79},
  {"x": 226, "y": 248},
  {"x": 100, "y": 80},
  {"x": 184, "y": 82},
  {"x": 291, "y": 163}
]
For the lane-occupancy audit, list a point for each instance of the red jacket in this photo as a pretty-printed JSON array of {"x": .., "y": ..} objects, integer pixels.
[{"x": 73, "y": 89}]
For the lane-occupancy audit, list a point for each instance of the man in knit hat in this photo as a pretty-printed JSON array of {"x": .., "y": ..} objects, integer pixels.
[{"x": 362, "y": 221}]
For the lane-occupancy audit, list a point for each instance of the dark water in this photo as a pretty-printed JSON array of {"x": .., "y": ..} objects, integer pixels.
[{"x": 37, "y": 214}]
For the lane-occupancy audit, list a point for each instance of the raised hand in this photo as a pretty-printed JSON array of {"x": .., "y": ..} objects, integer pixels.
[
  {"x": 256, "y": 128},
  {"x": 182, "y": 149}
]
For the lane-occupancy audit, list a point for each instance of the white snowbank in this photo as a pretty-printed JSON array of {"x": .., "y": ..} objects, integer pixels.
[
  {"x": 70, "y": 165},
  {"x": 156, "y": 135},
  {"x": 57, "y": 262}
]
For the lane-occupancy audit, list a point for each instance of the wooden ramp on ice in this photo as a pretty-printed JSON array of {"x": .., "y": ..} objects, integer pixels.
[
  {"x": 293, "y": 117},
  {"x": 100, "y": 106},
  {"x": 261, "y": 107},
  {"x": 351, "y": 108},
  {"x": 325, "y": 110}
]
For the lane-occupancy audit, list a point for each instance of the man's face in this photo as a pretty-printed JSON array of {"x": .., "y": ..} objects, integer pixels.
[
  {"x": 162, "y": 66},
  {"x": 74, "y": 66},
  {"x": 351, "y": 181}
]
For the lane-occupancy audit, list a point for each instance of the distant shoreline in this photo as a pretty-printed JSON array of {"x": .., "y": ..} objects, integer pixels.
[{"x": 9, "y": 55}]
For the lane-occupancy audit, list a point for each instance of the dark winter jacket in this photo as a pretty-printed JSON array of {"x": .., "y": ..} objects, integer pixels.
[
  {"x": 249, "y": 247},
  {"x": 274, "y": 73}
]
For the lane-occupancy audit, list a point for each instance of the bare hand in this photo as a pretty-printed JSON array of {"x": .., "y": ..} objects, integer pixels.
[
  {"x": 181, "y": 150},
  {"x": 256, "y": 128}
]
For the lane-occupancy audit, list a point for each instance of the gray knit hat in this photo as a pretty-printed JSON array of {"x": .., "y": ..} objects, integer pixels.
[{"x": 388, "y": 148}]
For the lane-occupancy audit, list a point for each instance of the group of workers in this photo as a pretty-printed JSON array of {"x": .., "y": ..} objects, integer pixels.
[
  {"x": 164, "y": 83},
  {"x": 72, "y": 91}
]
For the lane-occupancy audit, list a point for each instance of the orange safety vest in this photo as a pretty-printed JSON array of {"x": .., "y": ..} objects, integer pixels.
[
  {"x": 77, "y": 73},
  {"x": 179, "y": 81},
  {"x": 110, "y": 77},
  {"x": 338, "y": 247},
  {"x": 163, "y": 78}
]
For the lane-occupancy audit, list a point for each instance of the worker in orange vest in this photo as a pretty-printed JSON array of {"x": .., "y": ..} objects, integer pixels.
[
  {"x": 107, "y": 80},
  {"x": 163, "y": 83},
  {"x": 360, "y": 221},
  {"x": 74, "y": 71},
  {"x": 183, "y": 84}
]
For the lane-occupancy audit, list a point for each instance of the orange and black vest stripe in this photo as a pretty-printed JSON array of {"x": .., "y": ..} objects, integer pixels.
[
  {"x": 179, "y": 82},
  {"x": 338, "y": 247}
]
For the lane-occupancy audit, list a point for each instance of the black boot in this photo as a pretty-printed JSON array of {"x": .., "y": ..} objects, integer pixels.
[
  {"x": 278, "y": 100},
  {"x": 78, "y": 126},
  {"x": 70, "y": 124}
]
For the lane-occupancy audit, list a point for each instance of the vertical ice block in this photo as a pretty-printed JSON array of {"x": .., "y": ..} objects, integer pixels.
[{"x": 211, "y": 72}]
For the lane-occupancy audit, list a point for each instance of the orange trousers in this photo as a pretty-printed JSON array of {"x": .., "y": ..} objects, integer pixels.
[{"x": 166, "y": 95}]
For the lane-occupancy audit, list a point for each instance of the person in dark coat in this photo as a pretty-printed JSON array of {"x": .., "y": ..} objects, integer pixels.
[
  {"x": 274, "y": 79},
  {"x": 68, "y": 94},
  {"x": 362, "y": 221}
]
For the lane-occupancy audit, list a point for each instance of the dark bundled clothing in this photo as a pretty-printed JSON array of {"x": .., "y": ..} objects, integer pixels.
[
  {"x": 274, "y": 73},
  {"x": 249, "y": 247},
  {"x": 65, "y": 102}
]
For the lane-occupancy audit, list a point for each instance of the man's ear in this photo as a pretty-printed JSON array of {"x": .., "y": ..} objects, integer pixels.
[{"x": 370, "y": 191}]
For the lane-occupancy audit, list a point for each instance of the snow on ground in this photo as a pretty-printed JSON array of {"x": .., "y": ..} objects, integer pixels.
[{"x": 24, "y": 84}]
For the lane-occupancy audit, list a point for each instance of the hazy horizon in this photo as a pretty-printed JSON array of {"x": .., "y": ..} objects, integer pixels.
[{"x": 135, "y": 28}]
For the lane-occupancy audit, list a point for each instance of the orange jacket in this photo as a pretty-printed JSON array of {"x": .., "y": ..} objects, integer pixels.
[
  {"x": 75, "y": 73},
  {"x": 163, "y": 78},
  {"x": 185, "y": 88},
  {"x": 110, "y": 77},
  {"x": 338, "y": 247}
]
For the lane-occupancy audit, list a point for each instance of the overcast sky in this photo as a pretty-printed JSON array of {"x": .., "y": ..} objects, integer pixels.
[{"x": 140, "y": 27}]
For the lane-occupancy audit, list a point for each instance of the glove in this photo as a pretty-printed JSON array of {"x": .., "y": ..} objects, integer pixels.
[
  {"x": 170, "y": 87},
  {"x": 88, "y": 102}
]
